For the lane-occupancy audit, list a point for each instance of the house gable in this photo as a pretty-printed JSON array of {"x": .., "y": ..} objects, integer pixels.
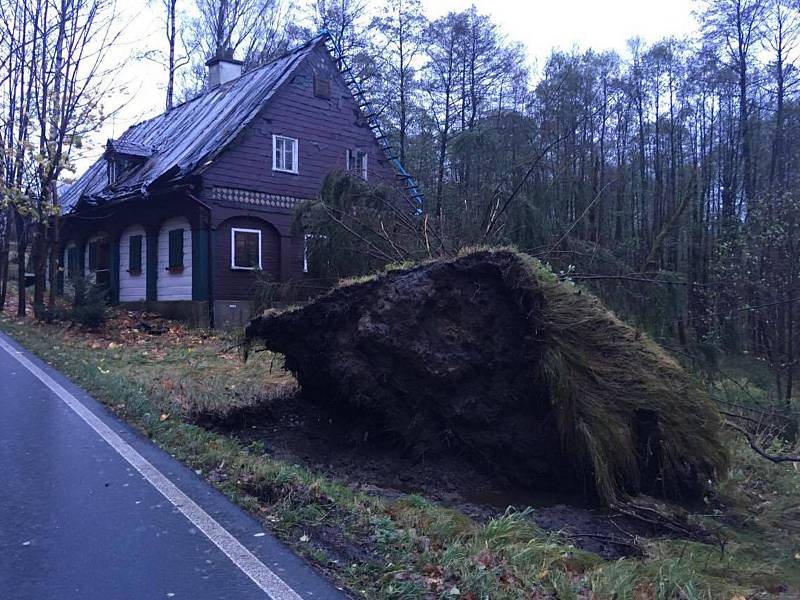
[{"x": 325, "y": 127}]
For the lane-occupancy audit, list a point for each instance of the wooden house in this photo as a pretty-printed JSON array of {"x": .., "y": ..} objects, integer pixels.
[{"x": 182, "y": 210}]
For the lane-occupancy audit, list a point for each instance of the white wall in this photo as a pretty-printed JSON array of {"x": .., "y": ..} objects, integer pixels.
[
  {"x": 174, "y": 286},
  {"x": 132, "y": 288}
]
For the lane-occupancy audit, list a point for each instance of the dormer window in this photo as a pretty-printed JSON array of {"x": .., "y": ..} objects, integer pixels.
[
  {"x": 112, "y": 170},
  {"x": 122, "y": 155}
]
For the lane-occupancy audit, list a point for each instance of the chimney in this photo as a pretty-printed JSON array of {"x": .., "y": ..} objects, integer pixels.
[{"x": 222, "y": 68}]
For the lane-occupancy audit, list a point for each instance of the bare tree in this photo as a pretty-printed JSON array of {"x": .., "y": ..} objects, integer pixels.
[
  {"x": 736, "y": 28},
  {"x": 58, "y": 76}
]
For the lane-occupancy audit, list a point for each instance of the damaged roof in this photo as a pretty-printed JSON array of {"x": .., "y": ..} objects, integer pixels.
[
  {"x": 128, "y": 148},
  {"x": 187, "y": 137}
]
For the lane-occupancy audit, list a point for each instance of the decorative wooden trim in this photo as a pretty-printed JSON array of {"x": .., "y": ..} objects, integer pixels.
[{"x": 255, "y": 198}]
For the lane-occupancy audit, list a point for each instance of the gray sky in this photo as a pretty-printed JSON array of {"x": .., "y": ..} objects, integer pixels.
[{"x": 539, "y": 24}]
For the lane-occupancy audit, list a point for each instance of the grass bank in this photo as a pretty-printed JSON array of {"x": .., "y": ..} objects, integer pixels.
[{"x": 408, "y": 548}]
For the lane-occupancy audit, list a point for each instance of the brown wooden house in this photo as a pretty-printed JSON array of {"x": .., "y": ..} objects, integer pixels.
[{"x": 183, "y": 209}]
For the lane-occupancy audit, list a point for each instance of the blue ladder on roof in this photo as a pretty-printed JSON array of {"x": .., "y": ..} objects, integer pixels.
[{"x": 372, "y": 118}]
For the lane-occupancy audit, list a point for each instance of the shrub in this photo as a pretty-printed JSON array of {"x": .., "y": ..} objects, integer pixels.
[
  {"x": 89, "y": 304},
  {"x": 46, "y": 314}
]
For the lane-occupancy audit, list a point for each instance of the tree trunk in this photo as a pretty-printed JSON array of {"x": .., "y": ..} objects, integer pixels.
[
  {"x": 22, "y": 247},
  {"x": 3, "y": 273},
  {"x": 39, "y": 262}
]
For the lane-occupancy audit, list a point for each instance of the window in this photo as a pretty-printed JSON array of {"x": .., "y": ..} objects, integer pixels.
[
  {"x": 92, "y": 256},
  {"x": 284, "y": 154},
  {"x": 112, "y": 170},
  {"x": 175, "y": 250},
  {"x": 135, "y": 255},
  {"x": 357, "y": 163},
  {"x": 245, "y": 249},
  {"x": 322, "y": 87},
  {"x": 73, "y": 266},
  {"x": 100, "y": 261}
]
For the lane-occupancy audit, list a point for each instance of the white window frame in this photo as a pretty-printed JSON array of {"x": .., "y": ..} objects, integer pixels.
[
  {"x": 234, "y": 231},
  {"x": 295, "y": 154},
  {"x": 352, "y": 156},
  {"x": 112, "y": 170}
]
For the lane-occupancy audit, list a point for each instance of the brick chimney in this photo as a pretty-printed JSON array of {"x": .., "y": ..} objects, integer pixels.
[{"x": 222, "y": 68}]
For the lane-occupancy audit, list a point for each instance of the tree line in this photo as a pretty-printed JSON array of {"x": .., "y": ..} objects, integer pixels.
[{"x": 664, "y": 177}]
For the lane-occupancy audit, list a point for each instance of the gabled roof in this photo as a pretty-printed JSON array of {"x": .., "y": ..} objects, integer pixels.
[{"x": 191, "y": 134}]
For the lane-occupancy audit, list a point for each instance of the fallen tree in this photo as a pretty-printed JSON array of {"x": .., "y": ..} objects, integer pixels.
[{"x": 489, "y": 356}]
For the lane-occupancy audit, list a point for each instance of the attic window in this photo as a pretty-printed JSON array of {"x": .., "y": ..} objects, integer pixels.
[
  {"x": 112, "y": 170},
  {"x": 322, "y": 87}
]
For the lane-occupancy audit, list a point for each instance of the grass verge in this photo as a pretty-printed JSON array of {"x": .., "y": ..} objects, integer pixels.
[{"x": 408, "y": 548}]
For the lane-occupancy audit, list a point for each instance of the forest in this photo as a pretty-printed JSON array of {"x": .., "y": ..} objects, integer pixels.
[{"x": 663, "y": 178}]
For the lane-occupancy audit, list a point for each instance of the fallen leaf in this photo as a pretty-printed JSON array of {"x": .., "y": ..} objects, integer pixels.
[{"x": 163, "y": 417}]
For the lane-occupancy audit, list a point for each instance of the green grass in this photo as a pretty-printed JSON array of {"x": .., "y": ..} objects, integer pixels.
[{"x": 413, "y": 549}]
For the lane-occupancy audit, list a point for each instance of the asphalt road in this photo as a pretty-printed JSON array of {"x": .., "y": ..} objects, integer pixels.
[{"x": 90, "y": 510}]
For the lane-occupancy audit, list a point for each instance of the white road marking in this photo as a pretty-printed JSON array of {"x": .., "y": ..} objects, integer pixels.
[{"x": 246, "y": 561}]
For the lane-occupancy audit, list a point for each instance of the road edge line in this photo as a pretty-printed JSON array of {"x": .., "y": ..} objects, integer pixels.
[{"x": 247, "y": 562}]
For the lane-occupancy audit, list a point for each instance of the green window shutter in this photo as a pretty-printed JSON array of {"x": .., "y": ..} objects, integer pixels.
[
  {"x": 135, "y": 253},
  {"x": 92, "y": 256},
  {"x": 176, "y": 249}
]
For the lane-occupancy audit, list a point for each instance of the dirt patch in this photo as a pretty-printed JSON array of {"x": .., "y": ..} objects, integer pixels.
[{"x": 296, "y": 431}]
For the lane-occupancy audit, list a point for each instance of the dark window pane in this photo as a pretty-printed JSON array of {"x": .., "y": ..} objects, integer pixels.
[
  {"x": 103, "y": 256},
  {"x": 135, "y": 253},
  {"x": 246, "y": 249},
  {"x": 92, "y": 256},
  {"x": 176, "y": 249}
]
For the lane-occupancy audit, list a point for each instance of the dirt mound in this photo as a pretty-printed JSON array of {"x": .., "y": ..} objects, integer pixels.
[{"x": 489, "y": 357}]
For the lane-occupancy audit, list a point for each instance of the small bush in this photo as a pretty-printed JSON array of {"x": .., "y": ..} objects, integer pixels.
[
  {"x": 89, "y": 305},
  {"x": 46, "y": 314}
]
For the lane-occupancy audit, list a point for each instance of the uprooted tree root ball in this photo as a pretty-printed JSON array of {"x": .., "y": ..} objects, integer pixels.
[{"x": 490, "y": 357}]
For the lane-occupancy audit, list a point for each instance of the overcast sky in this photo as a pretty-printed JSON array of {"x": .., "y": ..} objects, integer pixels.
[{"x": 539, "y": 24}]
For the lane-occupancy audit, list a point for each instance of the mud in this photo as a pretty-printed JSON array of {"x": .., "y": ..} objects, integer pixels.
[
  {"x": 299, "y": 432},
  {"x": 413, "y": 364}
]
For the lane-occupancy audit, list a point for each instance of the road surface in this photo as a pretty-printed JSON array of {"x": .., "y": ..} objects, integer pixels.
[{"x": 90, "y": 510}]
